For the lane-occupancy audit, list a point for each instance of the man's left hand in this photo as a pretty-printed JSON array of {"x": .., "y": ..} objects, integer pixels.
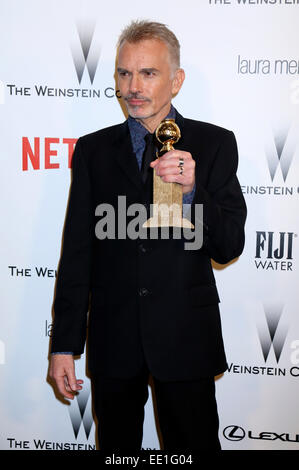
[{"x": 168, "y": 168}]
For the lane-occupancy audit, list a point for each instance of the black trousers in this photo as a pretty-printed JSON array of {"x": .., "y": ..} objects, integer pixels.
[{"x": 187, "y": 413}]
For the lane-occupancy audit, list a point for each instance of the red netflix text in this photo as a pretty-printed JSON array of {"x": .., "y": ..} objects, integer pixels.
[{"x": 42, "y": 153}]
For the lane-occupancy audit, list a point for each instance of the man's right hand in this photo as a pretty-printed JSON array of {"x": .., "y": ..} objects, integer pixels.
[{"x": 62, "y": 371}]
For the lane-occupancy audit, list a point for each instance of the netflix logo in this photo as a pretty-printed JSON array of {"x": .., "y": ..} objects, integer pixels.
[{"x": 47, "y": 153}]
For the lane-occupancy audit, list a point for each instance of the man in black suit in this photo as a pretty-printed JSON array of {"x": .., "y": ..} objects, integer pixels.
[{"x": 153, "y": 304}]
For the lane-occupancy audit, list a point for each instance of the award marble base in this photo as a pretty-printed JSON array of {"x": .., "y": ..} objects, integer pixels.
[{"x": 167, "y": 205}]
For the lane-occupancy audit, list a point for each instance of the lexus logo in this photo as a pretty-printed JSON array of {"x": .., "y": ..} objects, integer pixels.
[
  {"x": 273, "y": 333},
  {"x": 234, "y": 433},
  {"x": 85, "y": 51},
  {"x": 281, "y": 154}
]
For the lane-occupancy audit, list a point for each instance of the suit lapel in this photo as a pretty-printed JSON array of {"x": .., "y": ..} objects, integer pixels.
[
  {"x": 180, "y": 121},
  {"x": 126, "y": 157}
]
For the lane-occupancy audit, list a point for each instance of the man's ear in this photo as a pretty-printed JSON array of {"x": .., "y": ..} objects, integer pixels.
[{"x": 178, "y": 81}]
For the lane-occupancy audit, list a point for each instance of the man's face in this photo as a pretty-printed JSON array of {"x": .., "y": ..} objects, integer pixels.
[{"x": 147, "y": 81}]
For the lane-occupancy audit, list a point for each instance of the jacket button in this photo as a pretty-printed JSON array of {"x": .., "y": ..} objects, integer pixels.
[
  {"x": 143, "y": 291},
  {"x": 142, "y": 248}
]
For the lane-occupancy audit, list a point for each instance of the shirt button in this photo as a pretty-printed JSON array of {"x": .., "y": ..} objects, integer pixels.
[{"x": 143, "y": 291}]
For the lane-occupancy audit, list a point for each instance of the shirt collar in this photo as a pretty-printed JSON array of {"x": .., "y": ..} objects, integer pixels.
[{"x": 138, "y": 131}]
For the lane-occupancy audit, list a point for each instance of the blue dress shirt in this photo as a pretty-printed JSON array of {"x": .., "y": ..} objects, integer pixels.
[{"x": 138, "y": 132}]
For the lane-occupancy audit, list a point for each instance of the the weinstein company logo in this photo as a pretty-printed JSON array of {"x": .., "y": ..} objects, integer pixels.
[
  {"x": 273, "y": 332},
  {"x": 86, "y": 52},
  {"x": 80, "y": 412},
  {"x": 279, "y": 152}
]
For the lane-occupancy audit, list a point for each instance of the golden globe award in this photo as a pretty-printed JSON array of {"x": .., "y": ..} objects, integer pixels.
[{"x": 167, "y": 197}]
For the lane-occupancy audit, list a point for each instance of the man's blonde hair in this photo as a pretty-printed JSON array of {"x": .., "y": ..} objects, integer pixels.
[{"x": 140, "y": 30}]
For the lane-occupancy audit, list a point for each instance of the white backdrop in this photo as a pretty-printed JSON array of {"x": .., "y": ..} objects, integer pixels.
[{"x": 242, "y": 67}]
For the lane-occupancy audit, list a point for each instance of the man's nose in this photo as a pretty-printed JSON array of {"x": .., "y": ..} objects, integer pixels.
[{"x": 135, "y": 84}]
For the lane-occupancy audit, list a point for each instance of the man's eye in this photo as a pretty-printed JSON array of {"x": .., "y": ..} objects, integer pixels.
[{"x": 149, "y": 73}]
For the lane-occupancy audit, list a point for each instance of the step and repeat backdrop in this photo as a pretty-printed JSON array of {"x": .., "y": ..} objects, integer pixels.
[{"x": 57, "y": 82}]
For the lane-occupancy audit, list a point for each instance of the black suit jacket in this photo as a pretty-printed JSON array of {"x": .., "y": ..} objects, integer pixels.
[{"x": 147, "y": 299}]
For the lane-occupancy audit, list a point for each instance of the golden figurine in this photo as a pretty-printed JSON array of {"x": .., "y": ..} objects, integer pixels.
[{"x": 167, "y": 197}]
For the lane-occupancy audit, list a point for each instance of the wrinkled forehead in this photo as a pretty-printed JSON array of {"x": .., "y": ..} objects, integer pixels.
[{"x": 149, "y": 53}]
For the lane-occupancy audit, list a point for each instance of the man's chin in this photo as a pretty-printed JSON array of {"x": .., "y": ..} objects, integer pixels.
[
  {"x": 138, "y": 117},
  {"x": 138, "y": 113}
]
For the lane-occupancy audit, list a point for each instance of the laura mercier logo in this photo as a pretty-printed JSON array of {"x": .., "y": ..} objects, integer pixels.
[{"x": 86, "y": 51}]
